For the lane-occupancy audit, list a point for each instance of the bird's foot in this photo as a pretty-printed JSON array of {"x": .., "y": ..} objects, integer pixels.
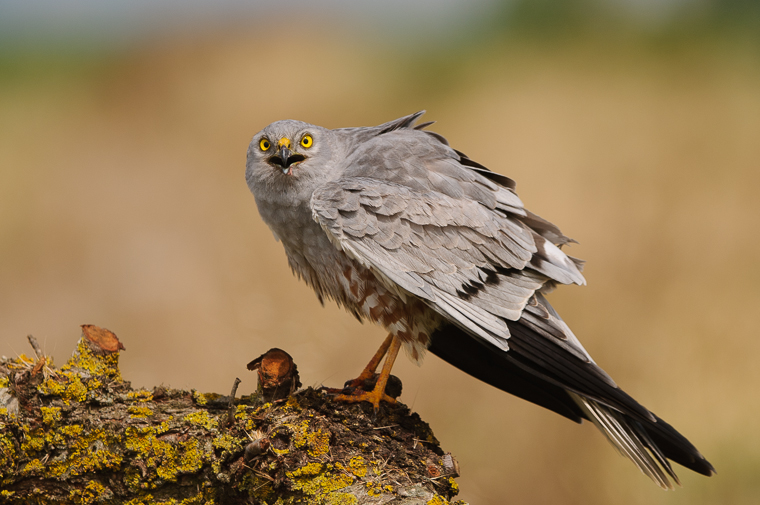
[
  {"x": 374, "y": 397},
  {"x": 368, "y": 389}
]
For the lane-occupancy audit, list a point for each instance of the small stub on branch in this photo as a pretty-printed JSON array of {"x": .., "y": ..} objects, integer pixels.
[
  {"x": 278, "y": 374},
  {"x": 101, "y": 340}
]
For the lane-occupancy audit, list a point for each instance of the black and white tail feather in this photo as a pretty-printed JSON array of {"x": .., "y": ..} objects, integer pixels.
[{"x": 631, "y": 440}]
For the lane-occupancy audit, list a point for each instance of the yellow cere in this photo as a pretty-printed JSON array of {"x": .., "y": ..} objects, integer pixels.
[
  {"x": 284, "y": 142},
  {"x": 307, "y": 141},
  {"x": 264, "y": 144}
]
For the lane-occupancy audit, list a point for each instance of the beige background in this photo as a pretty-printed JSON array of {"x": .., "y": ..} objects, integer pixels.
[{"x": 123, "y": 204}]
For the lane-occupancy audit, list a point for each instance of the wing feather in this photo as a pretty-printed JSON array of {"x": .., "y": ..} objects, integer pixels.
[{"x": 471, "y": 263}]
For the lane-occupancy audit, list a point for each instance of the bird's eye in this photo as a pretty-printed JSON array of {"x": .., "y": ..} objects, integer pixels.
[
  {"x": 307, "y": 141},
  {"x": 264, "y": 144}
]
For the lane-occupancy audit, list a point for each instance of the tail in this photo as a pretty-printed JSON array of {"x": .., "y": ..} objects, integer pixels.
[
  {"x": 638, "y": 434},
  {"x": 633, "y": 440}
]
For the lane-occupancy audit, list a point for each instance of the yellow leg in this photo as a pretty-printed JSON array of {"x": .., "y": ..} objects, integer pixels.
[
  {"x": 369, "y": 370},
  {"x": 391, "y": 346}
]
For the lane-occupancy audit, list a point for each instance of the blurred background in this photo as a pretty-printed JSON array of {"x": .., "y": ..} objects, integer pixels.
[{"x": 632, "y": 124}]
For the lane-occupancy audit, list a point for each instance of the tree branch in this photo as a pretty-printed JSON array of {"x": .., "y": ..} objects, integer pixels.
[{"x": 81, "y": 434}]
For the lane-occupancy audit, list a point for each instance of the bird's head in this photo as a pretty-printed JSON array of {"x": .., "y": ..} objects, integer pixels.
[{"x": 289, "y": 155}]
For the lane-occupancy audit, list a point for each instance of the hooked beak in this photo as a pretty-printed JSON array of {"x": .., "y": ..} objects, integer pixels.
[{"x": 285, "y": 158}]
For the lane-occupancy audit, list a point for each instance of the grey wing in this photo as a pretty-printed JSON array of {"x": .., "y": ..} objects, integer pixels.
[{"x": 474, "y": 264}]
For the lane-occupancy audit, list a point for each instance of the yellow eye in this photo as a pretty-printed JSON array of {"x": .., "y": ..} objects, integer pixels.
[
  {"x": 307, "y": 141},
  {"x": 264, "y": 144}
]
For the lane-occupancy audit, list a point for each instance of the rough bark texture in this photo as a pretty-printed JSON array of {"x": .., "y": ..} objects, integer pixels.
[{"x": 81, "y": 434}]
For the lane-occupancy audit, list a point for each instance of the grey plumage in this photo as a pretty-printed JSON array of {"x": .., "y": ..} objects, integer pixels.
[{"x": 399, "y": 228}]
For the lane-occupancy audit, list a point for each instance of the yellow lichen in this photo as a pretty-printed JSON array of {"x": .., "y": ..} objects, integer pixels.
[
  {"x": 310, "y": 469},
  {"x": 91, "y": 493},
  {"x": 88, "y": 451},
  {"x": 140, "y": 396},
  {"x": 139, "y": 412},
  {"x": 7, "y": 455},
  {"x": 83, "y": 373},
  {"x": 201, "y": 418},
  {"x": 226, "y": 442},
  {"x": 358, "y": 466},
  {"x": 50, "y": 415},
  {"x": 7, "y": 494},
  {"x": 320, "y": 482},
  {"x": 198, "y": 499},
  {"x": 97, "y": 365},
  {"x": 437, "y": 500},
  {"x": 34, "y": 467},
  {"x": 66, "y": 385},
  {"x": 374, "y": 488},
  {"x": 33, "y": 440},
  {"x": 454, "y": 485},
  {"x": 292, "y": 404},
  {"x": 23, "y": 361},
  {"x": 317, "y": 442},
  {"x": 168, "y": 459},
  {"x": 4, "y": 382},
  {"x": 203, "y": 398},
  {"x": 241, "y": 412}
]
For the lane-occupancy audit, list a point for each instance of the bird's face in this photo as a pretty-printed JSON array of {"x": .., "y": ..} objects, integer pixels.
[{"x": 288, "y": 156}]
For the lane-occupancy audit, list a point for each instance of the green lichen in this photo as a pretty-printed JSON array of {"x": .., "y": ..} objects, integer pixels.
[{"x": 201, "y": 418}]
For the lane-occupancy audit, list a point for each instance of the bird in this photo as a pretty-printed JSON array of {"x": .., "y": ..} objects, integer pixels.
[{"x": 400, "y": 229}]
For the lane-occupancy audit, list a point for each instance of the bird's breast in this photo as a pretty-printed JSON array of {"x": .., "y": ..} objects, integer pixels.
[{"x": 333, "y": 274}]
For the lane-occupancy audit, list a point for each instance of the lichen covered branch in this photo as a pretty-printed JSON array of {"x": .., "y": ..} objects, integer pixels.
[{"x": 81, "y": 434}]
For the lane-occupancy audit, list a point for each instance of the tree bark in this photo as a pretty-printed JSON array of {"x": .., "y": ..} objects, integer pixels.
[{"x": 81, "y": 434}]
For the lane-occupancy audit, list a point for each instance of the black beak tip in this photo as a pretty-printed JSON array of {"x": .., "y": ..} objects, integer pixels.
[{"x": 284, "y": 158}]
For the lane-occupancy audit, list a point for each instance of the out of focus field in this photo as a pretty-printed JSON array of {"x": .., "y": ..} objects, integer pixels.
[{"x": 123, "y": 204}]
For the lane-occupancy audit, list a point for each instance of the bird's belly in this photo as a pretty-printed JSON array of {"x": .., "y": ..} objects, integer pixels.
[
  {"x": 407, "y": 318},
  {"x": 333, "y": 274}
]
